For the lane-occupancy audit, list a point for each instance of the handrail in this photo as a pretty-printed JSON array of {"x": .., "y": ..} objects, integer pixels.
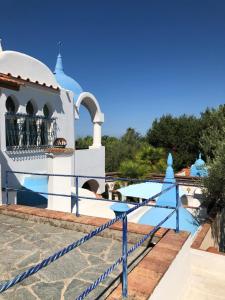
[
  {"x": 106, "y": 178},
  {"x": 122, "y": 216}
]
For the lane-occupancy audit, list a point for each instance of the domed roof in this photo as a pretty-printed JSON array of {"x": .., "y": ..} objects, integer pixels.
[
  {"x": 193, "y": 171},
  {"x": 66, "y": 81},
  {"x": 26, "y": 67},
  {"x": 199, "y": 162}
]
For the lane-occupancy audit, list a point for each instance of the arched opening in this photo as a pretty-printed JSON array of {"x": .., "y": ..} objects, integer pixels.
[
  {"x": 91, "y": 185},
  {"x": 11, "y": 124},
  {"x": 46, "y": 111},
  {"x": 30, "y": 108},
  {"x": 11, "y": 105},
  {"x": 83, "y": 139},
  {"x": 45, "y": 125},
  {"x": 30, "y": 139},
  {"x": 88, "y": 101}
]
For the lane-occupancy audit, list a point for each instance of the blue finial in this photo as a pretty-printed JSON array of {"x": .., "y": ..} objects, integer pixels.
[
  {"x": 59, "y": 64},
  {"x": 200, "y": 155},
  {"x": 170, "y": 160},
  {"x": 169, "y": 170}
]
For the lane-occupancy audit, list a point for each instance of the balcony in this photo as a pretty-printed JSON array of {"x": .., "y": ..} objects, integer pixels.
[{"x": 26, "y": 132}]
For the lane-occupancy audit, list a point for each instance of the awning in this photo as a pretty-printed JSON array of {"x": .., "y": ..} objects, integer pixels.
[{"x": 144, "y": 190}]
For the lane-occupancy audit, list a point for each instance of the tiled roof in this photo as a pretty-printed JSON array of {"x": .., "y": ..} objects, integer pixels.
[{"x": 8, "y": 81}]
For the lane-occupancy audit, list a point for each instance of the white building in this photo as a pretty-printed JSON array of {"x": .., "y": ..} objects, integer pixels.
[{"x": 36, "y": 108}]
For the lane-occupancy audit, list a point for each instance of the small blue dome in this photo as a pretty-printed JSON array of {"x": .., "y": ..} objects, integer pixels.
[
  {"x": 65, "y": 81},
  {"x": 193, "y": 171},
  {"x": 199, "y": 168},
  {"x": 199, "y": 162}
]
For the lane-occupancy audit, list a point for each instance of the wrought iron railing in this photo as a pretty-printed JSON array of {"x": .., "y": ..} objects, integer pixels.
[
  {"x": 122, "y": 217},
  {"x": 25, "y": 132}
]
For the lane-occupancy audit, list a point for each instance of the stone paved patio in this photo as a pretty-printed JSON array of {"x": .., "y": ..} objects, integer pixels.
[{"x": 24, "y": 243}]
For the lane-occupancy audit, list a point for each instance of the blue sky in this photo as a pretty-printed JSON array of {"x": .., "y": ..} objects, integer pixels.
[{"x": 141, "y": 59}]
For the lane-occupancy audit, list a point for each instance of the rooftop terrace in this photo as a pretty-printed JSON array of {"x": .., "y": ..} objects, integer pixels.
[{"x": 24, "y": 243}]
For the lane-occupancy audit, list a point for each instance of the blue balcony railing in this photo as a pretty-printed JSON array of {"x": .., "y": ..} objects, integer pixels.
[{"x": 122, "y": 217}]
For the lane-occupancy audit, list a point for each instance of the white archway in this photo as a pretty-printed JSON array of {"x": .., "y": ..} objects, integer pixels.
[{"x": 97, "y": 117}]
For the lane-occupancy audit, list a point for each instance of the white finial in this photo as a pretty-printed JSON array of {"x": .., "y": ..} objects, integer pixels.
[{"x": 1, "y": 45}]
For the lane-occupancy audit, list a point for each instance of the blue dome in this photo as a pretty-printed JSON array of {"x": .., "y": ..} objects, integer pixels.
[
  {"x": 193, "y": 171},
  {"x": 199, "y": 168},
  {"x": 199, "y": 163},
  {"x": 64, "y": 80}
]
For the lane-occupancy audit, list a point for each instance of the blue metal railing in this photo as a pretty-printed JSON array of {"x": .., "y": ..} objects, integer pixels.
[{"x": 122, "y": 217}]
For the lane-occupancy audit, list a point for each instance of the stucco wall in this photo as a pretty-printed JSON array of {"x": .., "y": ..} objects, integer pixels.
[
  {"x": 91, "y": 162},
  {"x": 61, "y": 105}
]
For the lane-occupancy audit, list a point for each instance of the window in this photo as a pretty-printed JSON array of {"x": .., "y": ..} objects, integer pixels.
[
  {"x": 10, "y": 105},
  {"x": 28, "y": 131},
  {"x": 46, "y": 111},
  {"x": 11, "y": 123},
  {"x": 30, "y": 108}
]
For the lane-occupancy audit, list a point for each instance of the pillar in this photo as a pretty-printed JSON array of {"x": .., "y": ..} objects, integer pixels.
[{"x": 97, "y": 135}]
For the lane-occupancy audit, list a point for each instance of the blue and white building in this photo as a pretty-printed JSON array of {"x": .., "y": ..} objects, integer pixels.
[{"x": 38, "y": 109}]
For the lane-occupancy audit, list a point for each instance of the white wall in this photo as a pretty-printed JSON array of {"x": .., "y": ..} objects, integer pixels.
[
  {"x": 102, "y": 209},
  {"x": 91, "y": 162},
  {"x": 62, "y": 107}
]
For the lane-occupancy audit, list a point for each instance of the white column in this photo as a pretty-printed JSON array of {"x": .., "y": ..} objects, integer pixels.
[
  {"x": 38, "y": 124},
  {"x": 20, "y": 122},
  {"x": 110, "y": 194},
  {"x": 97, "y": 135}
]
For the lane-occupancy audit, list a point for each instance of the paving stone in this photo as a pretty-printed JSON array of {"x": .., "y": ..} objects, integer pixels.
[
  {"x": 48, "y": 291},
  {"x": 19, "y": 294},
  {"x": 76, "y": 287},
  {"x": 30, "y": 260},
  {"x": 96, "y": 245},
  {"x": 95, "y": 260},
  {"x": 25, "y": 244},
  {"x": 65, "y": 267}
]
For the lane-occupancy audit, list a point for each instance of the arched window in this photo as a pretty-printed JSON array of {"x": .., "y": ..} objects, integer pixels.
[
  {"x": 30, "y": 108},
  {"x": 11, "y": 126},
  {"x": 46, "y": 111},
  {"x": 10, "y": 105}
]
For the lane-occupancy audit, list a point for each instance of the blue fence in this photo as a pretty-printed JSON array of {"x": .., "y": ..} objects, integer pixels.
[{"x": 122, "y": 217}]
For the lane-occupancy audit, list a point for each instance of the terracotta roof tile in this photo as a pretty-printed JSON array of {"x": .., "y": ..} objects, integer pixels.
[{"x": 11, "y": 82}]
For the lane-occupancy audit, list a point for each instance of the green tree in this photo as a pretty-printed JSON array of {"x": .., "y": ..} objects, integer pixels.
[
  {"x": 84, "y": 143},
  {"x": 179, "y": 135},
  {"x": 214, "y": 193},
  {"x": 113, "y": 153},
  {"x": 213, "y": 133},
  {"x": 147, "y": 160}
]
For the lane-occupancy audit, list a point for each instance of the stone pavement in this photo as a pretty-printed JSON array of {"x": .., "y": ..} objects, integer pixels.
[{"x": 24, "y": 243}]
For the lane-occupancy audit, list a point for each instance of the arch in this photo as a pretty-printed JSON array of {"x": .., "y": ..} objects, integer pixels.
[
  {"x": 89, "y": 101},
  {"x": 91, "y": 185},
  {"x": 31, "y": 107},
  {"x": 47, "y": 110},
  {"x": 91, "y": 104},
  {"x": 11, "y": 104}
]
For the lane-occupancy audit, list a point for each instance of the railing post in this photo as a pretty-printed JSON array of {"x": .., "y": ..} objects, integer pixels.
[
  {"x": 6, "y": 187},
  {"x": 177, "y": 208},
  {"x": 77, "y": 197},
  {"x": 124, "y": 255}
]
